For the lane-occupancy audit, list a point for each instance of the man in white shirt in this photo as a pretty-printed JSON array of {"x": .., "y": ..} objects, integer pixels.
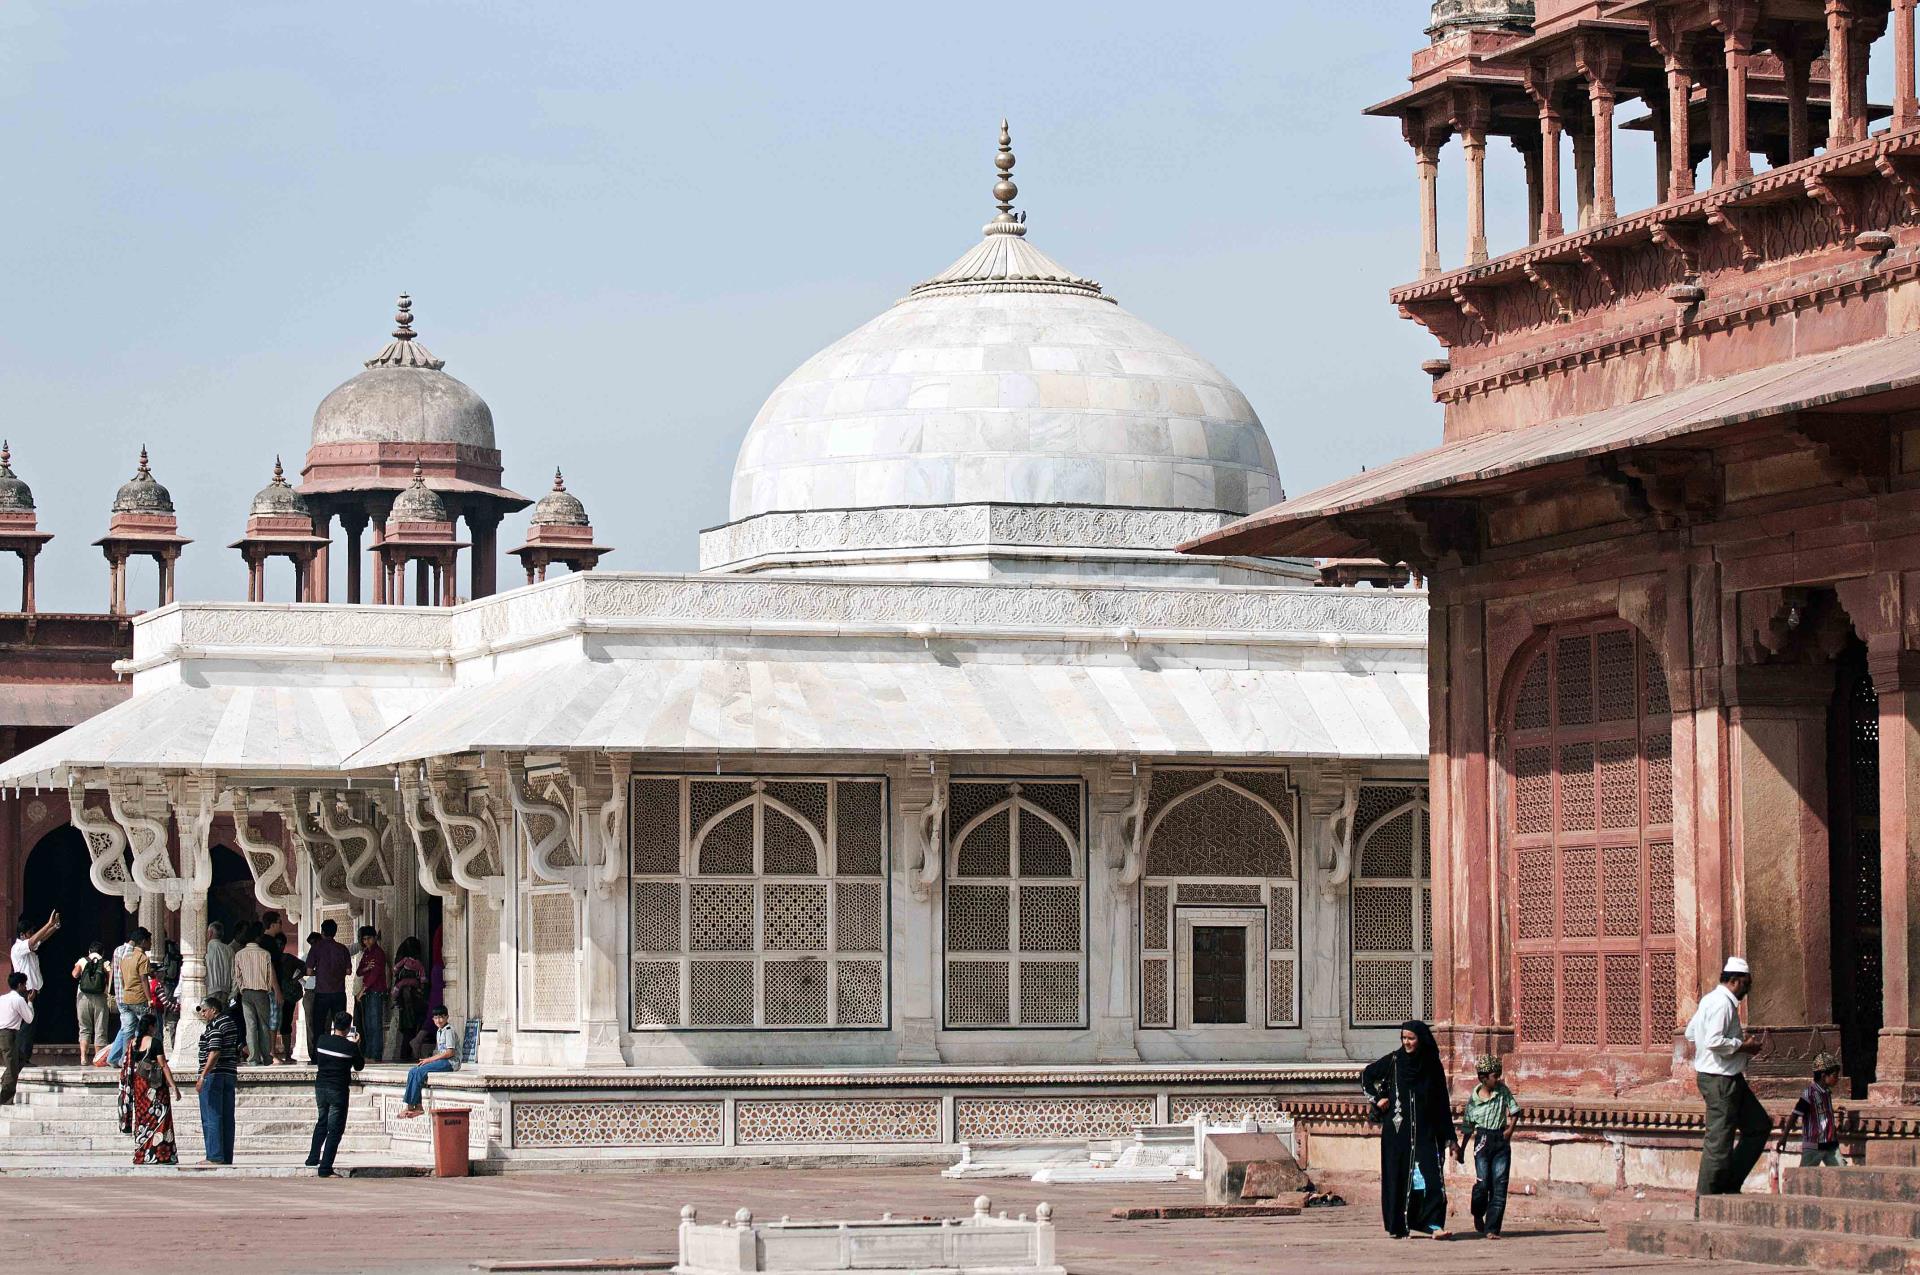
[
  {"x": 26, "y": 960},
  {"x": 16, "y": 1016},
  {"x": 219, "y": 958},
  {"x": 1722, "y": 1047}
]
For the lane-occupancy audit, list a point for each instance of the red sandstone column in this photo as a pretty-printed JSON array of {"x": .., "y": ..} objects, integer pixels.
[
  {"x": 1679, "y": 128},
  {"x": 1600, "y": 98},
  {"x": 1583, "y": 176},
  {"x": 485, "y": 526},
  {"x": 1427, "y": 159},
  {"x": 1840, "y": 72},
  {"x": 352, "y": 522},
  {"x": 1906, "y": 111},
  {"x": 1799, "y": 136},
  {"x": 1475, "y": 146},
  {"x": 1739, "y": 49},
  {"x": 26, "y": 579},
  {"x": 1896, "y": 679},
  {"x": 1779, "y": 855},
  {"x": 1551, "y": 225}
]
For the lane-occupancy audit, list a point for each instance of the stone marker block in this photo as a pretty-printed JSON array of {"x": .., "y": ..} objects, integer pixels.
[{"x": 1230, "y": 1156}]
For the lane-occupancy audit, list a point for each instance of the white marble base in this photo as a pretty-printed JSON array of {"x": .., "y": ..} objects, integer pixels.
[{"x": 979, "y": 1245}]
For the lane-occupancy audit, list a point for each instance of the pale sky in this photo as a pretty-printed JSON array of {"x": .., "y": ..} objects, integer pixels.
[{"x": 623, "y": 224}]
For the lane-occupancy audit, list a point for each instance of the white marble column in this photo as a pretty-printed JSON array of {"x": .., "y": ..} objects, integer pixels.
[
  {"x": 599, "y": 836},
  {"x": 918, "y": 822},
  {"x": 507, "y": 842},
  {"x": 1113, "y": 890},
  {"x": 1323, "y": 914},
  {"x": 193, "y": 816}
]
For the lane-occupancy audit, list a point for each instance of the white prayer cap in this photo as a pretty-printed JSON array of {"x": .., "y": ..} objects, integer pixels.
[{"x": 1735, "y": 965}]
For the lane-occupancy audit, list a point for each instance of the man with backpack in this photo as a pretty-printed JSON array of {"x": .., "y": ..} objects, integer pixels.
[{"x": 92, "y": 979}]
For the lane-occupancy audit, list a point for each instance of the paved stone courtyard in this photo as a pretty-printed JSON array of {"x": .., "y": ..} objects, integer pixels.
[{"x": 210, "y": 1226}]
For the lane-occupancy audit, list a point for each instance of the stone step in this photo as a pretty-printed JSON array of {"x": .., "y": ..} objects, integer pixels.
[
  {"x": 15, "y": 1128},
  {"x": 1726, "y": 1242},
  {"x": 1885, "y": 1219},
  {"x": 1898, "y": 1184},
  {"x": 190, "y": 1139},
  {"x": 244, "y": 1096}
]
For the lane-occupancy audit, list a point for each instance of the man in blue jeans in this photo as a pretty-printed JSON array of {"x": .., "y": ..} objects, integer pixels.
[
  {"x": 219, "y": 1074},
  {"x": 445, "y": 1057}
]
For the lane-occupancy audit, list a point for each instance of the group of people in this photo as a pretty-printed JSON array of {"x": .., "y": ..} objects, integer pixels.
[
  {"x": 126, "y": 1004},
  {"x": 1409, "y": 1099}
]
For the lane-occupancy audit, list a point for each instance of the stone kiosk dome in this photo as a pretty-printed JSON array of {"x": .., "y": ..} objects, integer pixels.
[{"x": 1005, "y": 417}]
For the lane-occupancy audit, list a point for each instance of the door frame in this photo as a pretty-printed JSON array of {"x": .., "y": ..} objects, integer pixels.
[{"x": 1254, "y": 921}]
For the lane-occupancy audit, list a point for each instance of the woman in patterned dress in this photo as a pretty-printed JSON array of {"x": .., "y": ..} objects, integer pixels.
[{"x": 147, "y": 1095}]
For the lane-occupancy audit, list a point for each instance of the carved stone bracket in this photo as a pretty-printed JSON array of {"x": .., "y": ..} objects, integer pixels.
[
  {"x": 142, "y": 813},
  {"x": 1903, "y": 172},
  {"x": 473, "y": 858},
  {"x": 923, "y": 798},
  {"x": 1670, "y": 488},
  {"x": 1443, "y": 318},
  {"x": 1854, "y": 449},
  {"x": 1683, "y": 241},
  {"x": 429, "y": 846},
  {"x": 548, "y": 825},
  {"x": 1120, "y": 793},
  {"x": 1737, "y": 223},
  {"x": 273, "y": 868},
  {"x": 358, "y": 842},
  {"x": 1419, "y": 532},
  {"x": 1605, "y": 264},
  {"x": 1339, "y": 830},
  {"x": 329, "y": 865},
  {"x": 1556, "y": 280},
  {"x": 1840, "y": 197},
  {"x": 106, "y": 848}
]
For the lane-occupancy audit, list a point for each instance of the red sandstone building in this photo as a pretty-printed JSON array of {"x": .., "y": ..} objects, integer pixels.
[
  {"x": 401, "y": 448},
  {"x": 1672, "y": 534}
]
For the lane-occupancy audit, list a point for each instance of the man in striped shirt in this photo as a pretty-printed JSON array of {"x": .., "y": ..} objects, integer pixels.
[{"x": 219, "y": 1074}]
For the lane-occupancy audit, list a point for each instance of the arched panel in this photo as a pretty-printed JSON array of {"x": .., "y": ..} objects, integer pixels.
[{"x": 1587, "y": 821}]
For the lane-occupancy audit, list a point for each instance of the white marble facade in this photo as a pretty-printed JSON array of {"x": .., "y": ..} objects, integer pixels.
[{"x": 947, "y": 764}]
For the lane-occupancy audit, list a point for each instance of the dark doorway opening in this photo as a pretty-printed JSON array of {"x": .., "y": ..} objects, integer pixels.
[
  {"x": 230, "y": 899},
  {"x": 56, "y": 880},
  {"x": 1219, "y": 973},
  {"x": 1853, "y": 794}
]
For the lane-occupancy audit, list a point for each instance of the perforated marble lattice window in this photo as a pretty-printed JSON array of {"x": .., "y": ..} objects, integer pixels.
[
  {"x": 1015, "y": 904},
  {"x": 1587, "y": 815},
  {"x": 1220, "y": 838},
  {"x": 489, "y": 989},
  {"x": 1390, "y": 906},
  {"x": 758, "y": 903},
  {"x": 549, "y": 959}
]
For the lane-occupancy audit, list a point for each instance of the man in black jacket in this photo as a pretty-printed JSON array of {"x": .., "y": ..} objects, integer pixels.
[{"x": 336, "y": 1058}]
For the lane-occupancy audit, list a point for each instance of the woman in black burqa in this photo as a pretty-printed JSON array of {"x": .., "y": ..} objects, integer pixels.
[{"x": 1409, "y": 1092}]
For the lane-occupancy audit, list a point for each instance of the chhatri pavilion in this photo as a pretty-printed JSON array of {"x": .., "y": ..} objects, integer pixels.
[{"x": 945, "y": 803}]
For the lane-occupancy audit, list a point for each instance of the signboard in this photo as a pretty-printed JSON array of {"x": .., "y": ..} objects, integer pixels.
[{"x": 470, "y": 1046}]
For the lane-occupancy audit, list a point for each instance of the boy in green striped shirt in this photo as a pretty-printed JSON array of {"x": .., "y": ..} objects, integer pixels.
[{"x": 1488, "y": 1122}]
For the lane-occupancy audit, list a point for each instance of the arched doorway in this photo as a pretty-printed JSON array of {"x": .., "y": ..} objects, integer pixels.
[{"x": 55, "y": 879}]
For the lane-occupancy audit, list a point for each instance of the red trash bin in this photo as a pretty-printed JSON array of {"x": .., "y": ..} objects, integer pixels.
[{"x": 450, "y": 1141}]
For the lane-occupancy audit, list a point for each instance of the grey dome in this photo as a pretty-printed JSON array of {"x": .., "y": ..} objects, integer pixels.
[
  {"x": 559, "y": 507},
  {"x": 404, "y": 397},
  {"x": 1451, "y": 16},
  {"x": 15, "y": 495},
  {"x": 418, "y": 503},
  {"x": 141, "y": 494},
  {"x": 279, "y": 499}
]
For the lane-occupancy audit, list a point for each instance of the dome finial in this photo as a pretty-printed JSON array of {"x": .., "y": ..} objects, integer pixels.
[
  {"x": 6, "y": 458},
  {"x": 1004, "y": 191},
  {"x": 405, "y": 350},
  {"x": 559, "y": 483},
  {"x": 419, "y": 474},
  {"x": 279, "y": 474},
  {"x": 144, "y": 471}
]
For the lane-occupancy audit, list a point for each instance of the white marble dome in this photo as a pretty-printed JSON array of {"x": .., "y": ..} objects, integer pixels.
[{"x": 1005, "y": 380}]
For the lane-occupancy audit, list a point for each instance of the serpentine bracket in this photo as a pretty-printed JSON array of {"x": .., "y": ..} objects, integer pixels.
[{"x": 106, "y": 848}]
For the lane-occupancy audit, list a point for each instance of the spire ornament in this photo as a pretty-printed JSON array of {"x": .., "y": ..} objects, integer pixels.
[
  {"x": 1004, "y": 191},
  {"x": 405, "y": 350}
]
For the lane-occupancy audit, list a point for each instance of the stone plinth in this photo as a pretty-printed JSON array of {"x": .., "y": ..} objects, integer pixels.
[
  {"x": 982, "y": 1244},
  {"x": 1230, "y": 1157}
]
